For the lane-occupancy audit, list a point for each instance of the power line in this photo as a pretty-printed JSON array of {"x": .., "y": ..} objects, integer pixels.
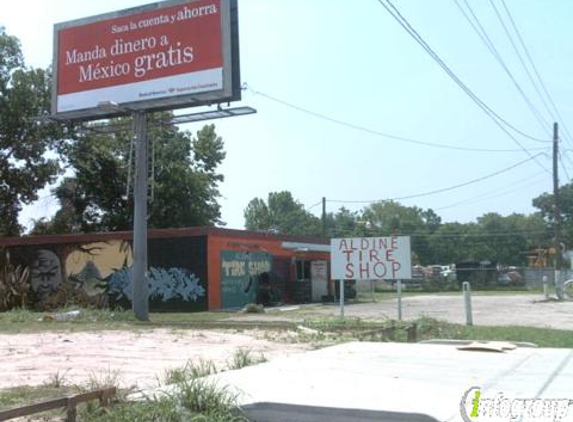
[
  {"x": 420, "y": 40},
  {"x": 567, "y": 156},
  {"x": 375, "y": 132},
  {"x": 564, "y": 168},
  {"x": 496, "y": 193},
  {"x": 482, "y": 33},
  {"x": 493, "y": 234},
  {"x": 315, "y": 205},
  {"x": 510, "y": 38},
  {"x": 497, "y": 119},
  {"x": 442, "y": 190},
  {"x": 454, "y": 235},
  {"x": 532, "y": 63}
]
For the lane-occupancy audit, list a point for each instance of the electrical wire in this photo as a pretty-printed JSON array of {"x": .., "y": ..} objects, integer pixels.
[
  {"x": 312, "y": 206},
  {"x": 567, "y": 157},
  {"x": 496, "y": 118},
  {"x": 395, "y": 13},
  {"x": 375, "y": 132},
  {"x": 454, "y": 235},
  {"x": 482, "y": 33},
  {"x": 564, "y": 168},
  {"x": 442, "y": 190},
  {"x": 532, "y": 63},
  {"x": 495, "y": 193}
]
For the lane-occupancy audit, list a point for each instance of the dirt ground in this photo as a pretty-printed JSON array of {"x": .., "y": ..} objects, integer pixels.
[
  {"x": 138, "y": 359},
  {"x": 141, "y": 358}
]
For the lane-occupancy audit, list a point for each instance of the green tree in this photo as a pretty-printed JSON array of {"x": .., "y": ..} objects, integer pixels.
[
  {"x": 501, "y": 239},
  {"x": 544, "y": 203},
  {"x": 450, "y": 243},
  {"x": 281, "y": 214},
  {"x": 185, "y": 181},
  {"x": 392, "y": 218},
  {"x": 345, "y": 223},
  {"x": 24, "y": 166}
]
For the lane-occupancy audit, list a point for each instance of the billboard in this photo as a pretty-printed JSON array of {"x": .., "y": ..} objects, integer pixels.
[
  {"x": 166, "y": 55},
  {"x": 371, "y": 258}
]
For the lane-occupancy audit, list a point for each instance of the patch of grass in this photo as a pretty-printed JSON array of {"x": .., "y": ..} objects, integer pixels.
[
  {"x": 245, "y": 357},
  {"x": 253, "y": 308},
  {"x": 327, "y": 331},
  {"x": 201, "y": 397},
  {"x": 57, "y": 380},
  {"x": 429, "y": 328},
  {"x": 103, "y": 379},
  {"x": 190, "y": 399},
  {"x": 151, "y": 410},
  {"x": 337, "y": 324},
  {"x": 26, "y": 321},
  {"x": 182, "y": 318},
  {"x": 24, "y": 395},
  {"x": 89, "y": 319},
  {"x": 191, "y": 370}
]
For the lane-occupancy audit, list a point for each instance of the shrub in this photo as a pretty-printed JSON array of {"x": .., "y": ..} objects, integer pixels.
[{"x": 15, "y": 286}]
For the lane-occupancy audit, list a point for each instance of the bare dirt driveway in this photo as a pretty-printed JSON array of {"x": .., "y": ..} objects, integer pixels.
[{"x": 137, "y": 359}]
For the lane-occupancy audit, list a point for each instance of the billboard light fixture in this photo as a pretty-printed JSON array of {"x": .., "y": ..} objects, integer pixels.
[
  {"x": 110, "y": 107},
  {"x": 175, "y": 120}
]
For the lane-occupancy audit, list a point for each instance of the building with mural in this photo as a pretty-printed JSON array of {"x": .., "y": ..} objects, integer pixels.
[{"x": 193, "y": 269}]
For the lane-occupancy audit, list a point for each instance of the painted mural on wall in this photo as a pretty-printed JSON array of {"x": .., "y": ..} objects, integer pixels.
[
  {"x": 240, "y": 272},
  {"x": 46, "y": 273},
  {"x": 91, "y": 264},
  {"x": 176, "y": 277},
  {"x": 164, "y": 285}
]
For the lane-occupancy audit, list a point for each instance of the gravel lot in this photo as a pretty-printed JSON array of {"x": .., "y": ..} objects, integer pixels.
[{"x": 524, "y": 310}]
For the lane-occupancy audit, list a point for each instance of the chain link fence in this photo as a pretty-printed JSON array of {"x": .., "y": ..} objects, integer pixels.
[{"x": 480, "y": 277}]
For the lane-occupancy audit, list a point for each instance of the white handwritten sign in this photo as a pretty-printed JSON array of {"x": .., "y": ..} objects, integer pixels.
[{"x": 371, "y": 258}]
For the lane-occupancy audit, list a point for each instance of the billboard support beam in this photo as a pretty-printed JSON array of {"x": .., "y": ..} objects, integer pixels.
[{"x": 140, "y": 288}]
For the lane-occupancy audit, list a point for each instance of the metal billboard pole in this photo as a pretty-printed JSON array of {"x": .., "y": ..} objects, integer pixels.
[
  {"x": 140, "y": 126},
  {"x": 140, "y": 288}
]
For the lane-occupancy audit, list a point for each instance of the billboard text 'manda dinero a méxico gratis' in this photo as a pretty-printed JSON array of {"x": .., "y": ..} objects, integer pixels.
[{"x": 164, "y": 55}]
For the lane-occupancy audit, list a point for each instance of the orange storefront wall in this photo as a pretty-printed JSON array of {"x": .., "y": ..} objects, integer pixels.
[{"x": 216, "y": 243}]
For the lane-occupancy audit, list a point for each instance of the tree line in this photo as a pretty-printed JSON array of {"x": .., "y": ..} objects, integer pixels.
[{"x": 506, "y": 240}]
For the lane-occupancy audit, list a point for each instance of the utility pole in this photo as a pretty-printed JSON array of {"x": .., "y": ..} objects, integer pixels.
[
  {"x": 323, "y": 216},
  {"x": 556, "y": 212}
]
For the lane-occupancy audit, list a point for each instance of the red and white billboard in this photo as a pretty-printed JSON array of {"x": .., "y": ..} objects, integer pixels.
[{"x": 159, "y": 56}]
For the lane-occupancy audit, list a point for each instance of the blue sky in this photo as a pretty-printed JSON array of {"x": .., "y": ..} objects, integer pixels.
[{"x": 352, "y": 62}]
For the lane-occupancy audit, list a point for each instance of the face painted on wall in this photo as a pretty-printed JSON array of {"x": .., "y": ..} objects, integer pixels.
[{"x": 46, "y": 273}]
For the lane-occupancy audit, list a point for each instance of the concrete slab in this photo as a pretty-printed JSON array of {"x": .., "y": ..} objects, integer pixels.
[{"x": 413, "y": 379}]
